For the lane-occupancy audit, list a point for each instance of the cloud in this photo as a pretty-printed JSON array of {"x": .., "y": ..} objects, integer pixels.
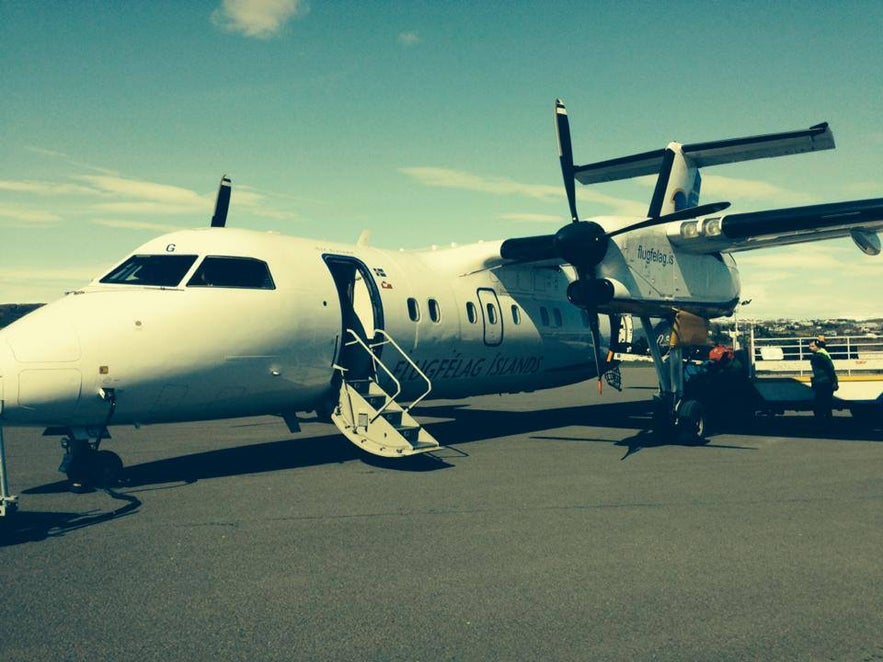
[
  {"x": 42, "y": 188},
  {"x": 135, "y": 225},
  {"x": 27, "y": 284},
  {"x": 146, "y": 191},
  {"x": 28, "y": 215},
  {"x": 409, "y": 38},
  {"x": 53, "y": 154},
  {"x": 47, "y": 152},
  {"x": 715, "y": 187},
  {"x": 467, "y": 181},
  {"x": 261, "y": 19},
  {"x": 788, "y": 282},
  {"x": 533, "y": 218},
  {"x": 728, "y": 188},
  {"x": 148, "y": 207}
]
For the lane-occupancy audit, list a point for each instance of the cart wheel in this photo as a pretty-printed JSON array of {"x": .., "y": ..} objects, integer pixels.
[{"x": 691, "y": 422}]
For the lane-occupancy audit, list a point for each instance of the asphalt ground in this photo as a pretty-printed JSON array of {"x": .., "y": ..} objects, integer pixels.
[{"x": 549, "y": 528}]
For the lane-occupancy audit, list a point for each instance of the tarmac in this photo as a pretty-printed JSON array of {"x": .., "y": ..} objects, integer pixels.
[{"x": 552, "y": 526}]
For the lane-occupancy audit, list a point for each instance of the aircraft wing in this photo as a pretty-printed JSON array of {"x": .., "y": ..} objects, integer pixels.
[{"x": 728, "y": 233}]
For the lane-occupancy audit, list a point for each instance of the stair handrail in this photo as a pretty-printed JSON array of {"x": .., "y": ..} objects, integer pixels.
[
  {"x": 410, "y": 361},
  {"x": 390, "y": 398}
]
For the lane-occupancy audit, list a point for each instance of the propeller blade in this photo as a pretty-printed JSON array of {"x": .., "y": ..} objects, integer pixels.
[
  {"x": 565, "y": 154},
  {"x": 691, "y": 212},
  {"x": 222, "y": 204},
  {"x": 658, "y": 198},
  {"x": 596, "y": 343}
]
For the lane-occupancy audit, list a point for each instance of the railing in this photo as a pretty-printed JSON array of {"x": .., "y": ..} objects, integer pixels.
[
  {"x": 390, "y": 341},
  {"x": 377, "y": 362},
  {"x": 391, "y": 397},
  {"x": 851, "y": 354}
]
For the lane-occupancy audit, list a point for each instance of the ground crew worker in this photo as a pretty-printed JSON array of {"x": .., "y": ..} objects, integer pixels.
[{"x": 824, "y": 378}]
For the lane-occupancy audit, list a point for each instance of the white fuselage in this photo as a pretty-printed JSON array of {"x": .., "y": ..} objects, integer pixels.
[
  {"x": 133, "y": 354},
  {"x": 200, "y": 347}
]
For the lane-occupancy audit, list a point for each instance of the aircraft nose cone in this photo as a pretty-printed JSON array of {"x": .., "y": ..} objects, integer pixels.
[{"x": 39, "y": 382}]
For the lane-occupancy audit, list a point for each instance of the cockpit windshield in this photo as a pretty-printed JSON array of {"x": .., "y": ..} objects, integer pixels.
[
  {"x": 239, "y": 272},
  {"x": 151, "y": 270}
]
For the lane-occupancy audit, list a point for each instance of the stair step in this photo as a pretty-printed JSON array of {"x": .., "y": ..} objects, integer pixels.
[
  {"x": 393, "y": 416},
  {"x": 362, "y": 386},
  {"x": 409, "y": 432},
  {"x": 376, "y": 400}
]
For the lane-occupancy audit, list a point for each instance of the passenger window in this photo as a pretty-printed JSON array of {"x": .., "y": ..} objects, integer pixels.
[
  {"x": 237, "y": 272},
  {"x": 153, "y": 270},
  {"x": 491, "y": 313},
  {"x": 516, "y": 314},
  {"x": 544, "y": 316},
  {"x": 413, "y": 309},
  {"x": 556, "y": 314},
  {"x": 471, "y": 312},
  {"x": 434, "y": 311}
]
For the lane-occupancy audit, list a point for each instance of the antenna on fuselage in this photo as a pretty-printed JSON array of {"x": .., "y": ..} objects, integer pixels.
[{"x": 222, "y": 204}]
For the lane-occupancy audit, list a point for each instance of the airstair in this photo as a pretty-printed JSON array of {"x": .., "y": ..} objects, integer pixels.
[{"x": 373, "y": 418}]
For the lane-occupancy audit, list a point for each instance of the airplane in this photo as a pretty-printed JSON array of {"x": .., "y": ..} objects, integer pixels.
[{"x": 220, "y": 322}]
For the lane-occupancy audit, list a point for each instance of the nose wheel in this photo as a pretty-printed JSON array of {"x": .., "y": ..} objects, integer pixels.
[{"x": 87, "y": 467}]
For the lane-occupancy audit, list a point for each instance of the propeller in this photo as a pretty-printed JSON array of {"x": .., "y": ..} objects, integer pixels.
[
  {"x": 584, "y": 243},
  {"x": 222, "y": 204}
]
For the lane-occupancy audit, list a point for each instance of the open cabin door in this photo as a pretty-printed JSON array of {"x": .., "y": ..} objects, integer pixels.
[
  {"x": 367, "y": 412},
  {"x": 361, "y": 311}
]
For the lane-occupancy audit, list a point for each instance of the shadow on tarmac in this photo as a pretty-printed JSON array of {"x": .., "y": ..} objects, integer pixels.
[
  {"x": 34, "y": 526},
  {"x": 465, "y": 425}
]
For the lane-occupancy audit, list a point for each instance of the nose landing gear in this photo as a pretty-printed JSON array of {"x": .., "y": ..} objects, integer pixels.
[{"x": 87, "y": 467}]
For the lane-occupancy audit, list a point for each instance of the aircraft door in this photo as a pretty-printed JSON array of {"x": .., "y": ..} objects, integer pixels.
[
  {"x": 361, "y": 312},
  {"x": 491, "y": 316}
]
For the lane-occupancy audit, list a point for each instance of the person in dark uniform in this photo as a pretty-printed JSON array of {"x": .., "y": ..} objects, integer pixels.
[{"x": 824, "y": 379}]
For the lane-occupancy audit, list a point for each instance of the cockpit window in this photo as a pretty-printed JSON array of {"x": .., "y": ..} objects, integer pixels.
[
  {"x": 244, "y": 272},
  {"x": 154, "y": 270}
]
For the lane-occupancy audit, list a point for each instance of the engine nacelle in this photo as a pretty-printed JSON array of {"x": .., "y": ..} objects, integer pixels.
[{"x": 594, "y": 292}]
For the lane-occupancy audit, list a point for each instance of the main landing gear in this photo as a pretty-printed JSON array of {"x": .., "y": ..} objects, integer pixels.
[
  {"x": 675, "y": 419},
  {"x": 87, "y": 467}
]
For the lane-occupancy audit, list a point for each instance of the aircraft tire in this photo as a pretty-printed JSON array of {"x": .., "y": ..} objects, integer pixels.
[
  {"x": 107, "y": 467},
  {"x": 663, "y": 420},
  {"x": 79, "y": 471},
  {"x": 691, "y": 422}
]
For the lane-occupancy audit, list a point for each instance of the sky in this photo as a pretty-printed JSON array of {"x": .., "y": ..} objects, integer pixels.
[{"x": 423, "y": 122}]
